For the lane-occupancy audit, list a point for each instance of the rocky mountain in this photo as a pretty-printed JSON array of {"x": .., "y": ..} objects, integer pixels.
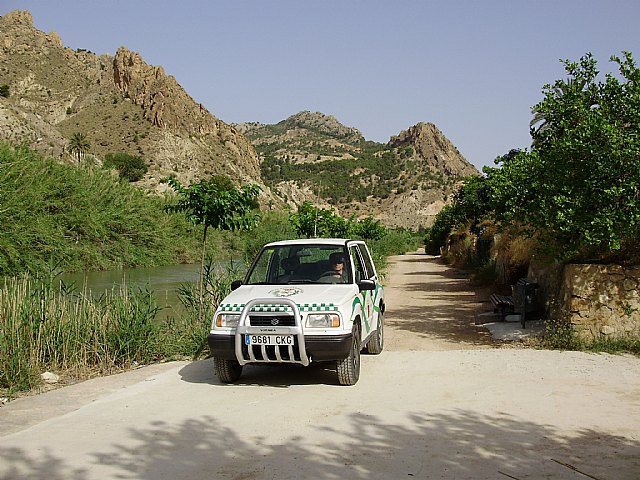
[
  {"x": 120, "y": 103},
  {"x": 434, "y": 149},
  {"x": 312, "y": 156},
  {"x": 49, "y": 93}
]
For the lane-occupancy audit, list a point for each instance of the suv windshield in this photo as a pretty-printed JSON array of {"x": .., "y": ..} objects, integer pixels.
[{"x": 290, "y": 264}]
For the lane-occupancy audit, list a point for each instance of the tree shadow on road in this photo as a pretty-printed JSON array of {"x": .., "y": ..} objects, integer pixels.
[
  {"x": 444, "y": 309},
  {"x": 456, "y": 444}
]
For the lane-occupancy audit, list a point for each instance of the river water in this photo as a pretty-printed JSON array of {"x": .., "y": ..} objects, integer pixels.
[{"x": 164, "y": 282}]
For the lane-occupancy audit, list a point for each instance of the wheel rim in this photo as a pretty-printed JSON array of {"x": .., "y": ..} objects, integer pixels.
[{"x": 355, "y": 360}]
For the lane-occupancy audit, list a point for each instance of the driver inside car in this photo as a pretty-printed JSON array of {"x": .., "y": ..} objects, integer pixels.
[{"x": 338, "y": 273}]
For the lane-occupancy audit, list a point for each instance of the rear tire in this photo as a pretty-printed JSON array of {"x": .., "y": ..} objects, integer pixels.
[
  {"x": 228, "y": 371},
  {"x": 348, "y": 369},
  {"x": 376, "y": 342}
]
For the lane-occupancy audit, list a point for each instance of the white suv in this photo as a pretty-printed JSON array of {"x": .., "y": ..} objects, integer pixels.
[{"x": 298, "y": 304}]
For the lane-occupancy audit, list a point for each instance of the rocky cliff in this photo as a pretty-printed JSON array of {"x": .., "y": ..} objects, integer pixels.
[
  {"x": 119, "y": 102},
  {"x": 431, "y": 146}
]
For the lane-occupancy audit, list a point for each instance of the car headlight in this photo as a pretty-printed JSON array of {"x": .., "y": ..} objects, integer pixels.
[
  {"x": 323, "y": 320},
  {"x": 227, "y": 320}
]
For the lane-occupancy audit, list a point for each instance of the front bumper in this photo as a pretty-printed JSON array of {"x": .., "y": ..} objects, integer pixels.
[{"x": 319, "y": 348}]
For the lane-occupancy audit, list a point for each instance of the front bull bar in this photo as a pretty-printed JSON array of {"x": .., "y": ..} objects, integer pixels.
[{"x": 244, "y": 329}]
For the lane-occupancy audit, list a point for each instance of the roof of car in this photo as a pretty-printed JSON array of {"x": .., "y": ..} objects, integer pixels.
[{"x": 313, "y": 241}]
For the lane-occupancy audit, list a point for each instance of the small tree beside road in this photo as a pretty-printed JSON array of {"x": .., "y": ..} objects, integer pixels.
[{"x": 218, "y": 204}]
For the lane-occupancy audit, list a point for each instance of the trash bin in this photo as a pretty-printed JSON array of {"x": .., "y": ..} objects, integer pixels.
[{"x": 524, "y": 300}]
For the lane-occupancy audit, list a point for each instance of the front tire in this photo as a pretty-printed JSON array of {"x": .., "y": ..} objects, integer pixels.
[
  {"x": 376, "y": 342},
  {"x": 228, "y": 371},
  {"x": 348, "y": 369}
]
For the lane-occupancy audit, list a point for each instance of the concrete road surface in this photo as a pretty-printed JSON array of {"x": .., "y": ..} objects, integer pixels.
[{"x": 482, "y": 410}]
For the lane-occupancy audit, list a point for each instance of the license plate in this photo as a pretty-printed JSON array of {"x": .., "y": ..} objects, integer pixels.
[{"x": 268, "y": 339}]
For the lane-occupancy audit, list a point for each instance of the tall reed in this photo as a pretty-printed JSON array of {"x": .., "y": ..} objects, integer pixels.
[
  {"x": 187, "y": 335},
  {"x": 47, "y": 327}
]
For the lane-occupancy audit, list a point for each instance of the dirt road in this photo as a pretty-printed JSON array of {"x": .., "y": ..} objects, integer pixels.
[{"x": 442, "y": 401}]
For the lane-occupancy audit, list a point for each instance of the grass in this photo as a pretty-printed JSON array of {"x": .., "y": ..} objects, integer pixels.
[
  {"x": 617, "y": 345},
  {"x": 46, "y": 327},
  {"x": 560, "y": 336}
]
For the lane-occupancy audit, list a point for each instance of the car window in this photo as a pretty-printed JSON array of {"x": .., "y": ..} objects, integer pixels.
[
  {"x": 368, "y": 263},
  {"x": 260, "y": 271},
  {"x": 358, "y": 265},
  {"x": 289, "y": 264}
]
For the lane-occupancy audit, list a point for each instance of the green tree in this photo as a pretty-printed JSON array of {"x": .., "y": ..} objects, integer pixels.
[
  {"x": 79, "y": 145},
  {"x": 578, "y": 186},
  {"x": 4, "y": 90},
  {"x": 218, "y": 204},
  {"x": 369, "y": 229},
  {"x": 312, "y": 222}
]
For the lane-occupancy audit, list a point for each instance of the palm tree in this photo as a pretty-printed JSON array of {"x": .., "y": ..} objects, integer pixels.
[{"x": 79, "y": 145}]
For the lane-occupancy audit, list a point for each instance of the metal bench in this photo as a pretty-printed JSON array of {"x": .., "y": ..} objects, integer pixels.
[{"x": 502, "y": 303}]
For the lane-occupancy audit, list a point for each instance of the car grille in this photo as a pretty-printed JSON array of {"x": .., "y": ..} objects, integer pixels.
[{"x": 272, "y": 320}]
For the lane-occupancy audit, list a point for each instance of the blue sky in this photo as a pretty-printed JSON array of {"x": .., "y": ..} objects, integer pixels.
[{"x": 474, "y": 68}]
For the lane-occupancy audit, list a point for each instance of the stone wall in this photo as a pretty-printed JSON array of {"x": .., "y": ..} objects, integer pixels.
[{"x": 601, "y": 301}]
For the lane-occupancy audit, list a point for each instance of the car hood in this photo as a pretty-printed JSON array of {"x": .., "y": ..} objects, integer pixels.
[{"x": 303, "y": 295}]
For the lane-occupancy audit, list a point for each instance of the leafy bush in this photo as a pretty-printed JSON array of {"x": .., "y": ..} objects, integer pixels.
[
  {"x": 310, "y": 221},
  {"x": 578, "y": 186},
  {"x": 272, "y": 226},
  {"x": 436, "y": 236},
  {"x": 4, "y": 90},
  {"x": 469, "y": 207},
  {"x": 394, "y": 242},
  {"x": 130, "y": 167},
  {"x": 368, "y": 229}
]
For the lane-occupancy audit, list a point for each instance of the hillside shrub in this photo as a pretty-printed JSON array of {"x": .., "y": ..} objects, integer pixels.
[
  {"x": 129, "y": 166},
  {"x": 4, "y": 90},
  {"x": 81, "y": 218}
]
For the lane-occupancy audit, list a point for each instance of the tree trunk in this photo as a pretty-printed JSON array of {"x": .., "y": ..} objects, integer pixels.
[{"x": 204, "y": 246}]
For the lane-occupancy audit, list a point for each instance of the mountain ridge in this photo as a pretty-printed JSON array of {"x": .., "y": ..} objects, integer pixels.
[
  {"x": 123, "y": 104},
  {"x": 403, "y": 183}
]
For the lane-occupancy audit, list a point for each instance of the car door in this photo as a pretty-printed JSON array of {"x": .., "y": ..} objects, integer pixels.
[{"x": 365, "y": 296}]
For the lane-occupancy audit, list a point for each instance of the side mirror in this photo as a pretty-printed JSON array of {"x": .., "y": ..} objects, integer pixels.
[
  {"x": 367, "y": 285},
  {"x": 235, "y": 284}
]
